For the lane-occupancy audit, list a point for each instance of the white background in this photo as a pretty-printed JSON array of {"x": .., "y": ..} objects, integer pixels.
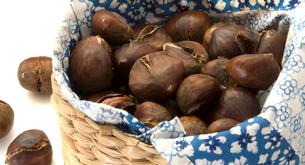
[{"x": 28, "y": 28}]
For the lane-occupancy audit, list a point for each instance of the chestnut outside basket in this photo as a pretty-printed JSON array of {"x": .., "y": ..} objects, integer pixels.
[{"x": 99, "y": 134}]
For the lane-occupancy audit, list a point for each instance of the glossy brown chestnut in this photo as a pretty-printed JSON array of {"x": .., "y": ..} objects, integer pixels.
[
  {"x": 193, "y": 125},
  {"x": 31, "y": 147},
  {"x": 155, "y": 77},
  {"x": 196, "y": 92},
  {"x": 191, "y": 66},
  {"x": 6, "y": 118},
  {"x": 115, "y": 99},
  {"x": 151, "y": 114},
  {"x": 235, "y": 103},
  {"x": 222, "y": 125},
  {"x": 208, "y": 34},
  {"x": 272, "y": 42},
  {"x": 125, "y": 56},
  {"x": 188, "y": 25},
  {"x": 112, "y": 27},
  {"x": 254, "y": 71},
  {"x": 225, "y": 41},
  {"x": 217, "y": 69},
  {"x": 34, "y": 74},
  {"x": 198, "y": 51},
  {"x": 90, "y": 67},
  {"x": 154, "y": 35}
]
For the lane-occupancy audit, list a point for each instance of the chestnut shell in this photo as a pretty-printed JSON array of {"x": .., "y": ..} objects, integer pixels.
[
  {"x": 188, "y": 25},
  {"x": 155, "y": 76},
  {"x": 235, "y": 103},
  {"x": 196, "y": 92},
  {"x": 90, "y": 67},
  {"x": 112, "y": 27},
  {"x": 254, "y": 71}
]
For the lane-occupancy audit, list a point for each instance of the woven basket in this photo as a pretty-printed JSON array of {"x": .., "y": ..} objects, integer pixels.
[{"x": 86, "y": 142}]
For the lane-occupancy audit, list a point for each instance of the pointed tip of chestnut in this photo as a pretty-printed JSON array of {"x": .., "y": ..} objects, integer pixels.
[{"x": 254, "y": 71}]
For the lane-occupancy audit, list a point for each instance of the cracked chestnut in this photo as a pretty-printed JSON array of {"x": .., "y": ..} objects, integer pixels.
[
  {"x": 154, "y": 35},
  {"x": 155, "y": 76},
  {"x": 6, "y": 118},
  {"x": 126, "y": 55},
  {"x": 31, "y": 147},
  {"x": 115, "y": 99},
  {"x": 34, "y": 74},
  {"x": 90, "y": 67},
  {"x": 112, "y": 27}
]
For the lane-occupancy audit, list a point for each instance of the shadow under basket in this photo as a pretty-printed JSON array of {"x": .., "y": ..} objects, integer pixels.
[{"x": 86, "y": 142}]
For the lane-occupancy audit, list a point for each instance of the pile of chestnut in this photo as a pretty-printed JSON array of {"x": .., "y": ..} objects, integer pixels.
[{"x": 207, "y": 75}]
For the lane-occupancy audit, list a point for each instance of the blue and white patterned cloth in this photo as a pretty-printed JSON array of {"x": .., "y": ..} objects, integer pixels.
[{"x": 276, "y": 136}]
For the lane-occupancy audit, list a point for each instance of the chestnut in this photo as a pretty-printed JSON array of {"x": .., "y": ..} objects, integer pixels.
[
  {"x": 154, "y": 35},
  {"x": 90, "y": 67},
  {"x": 196, "y": 92},
  {"x": 112, "y": 27},
  {"x": 188, "y": 25},
  {"x": 231, "y": 40},
  {"x": 198, "y": 51},
  {"x": 31, "y": 147},
  {"x": 254, "y": 71},
  {"x": 236, "y": 103},
  {"x": 125, "y": 56},
  {"x": 115, "y": 99},
  {"x": 151, "y": 113},
  {"x": 217, "y": 69},
  {"x": 34, "y": 74},
  {"x": 193, "y": 125},
  {"x": 155, "y": 76},
  {"x": 222, "y": 124},
  {"x": 6, "y": 118},
  {"x": 208, "y": 33},
  {"x": 191, "y": 66},
  {"x": 272, "y": 42}
]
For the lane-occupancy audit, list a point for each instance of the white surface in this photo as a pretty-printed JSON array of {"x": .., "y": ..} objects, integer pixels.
[{"x": 28, "y": 28}]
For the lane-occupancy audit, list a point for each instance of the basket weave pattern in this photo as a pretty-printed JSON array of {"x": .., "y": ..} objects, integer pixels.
[{"x": 87, "y": 143}]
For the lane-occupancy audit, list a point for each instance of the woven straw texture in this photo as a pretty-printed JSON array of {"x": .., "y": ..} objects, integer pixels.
[{"x": 88, "y": 143}]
